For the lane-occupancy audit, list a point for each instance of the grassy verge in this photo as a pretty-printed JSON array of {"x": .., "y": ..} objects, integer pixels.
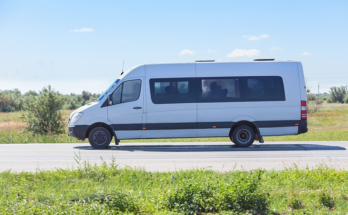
[{"x": 108, "y": 189}]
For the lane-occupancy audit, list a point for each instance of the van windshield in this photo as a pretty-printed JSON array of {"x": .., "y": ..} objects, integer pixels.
[{"x": 107, "y": 91}]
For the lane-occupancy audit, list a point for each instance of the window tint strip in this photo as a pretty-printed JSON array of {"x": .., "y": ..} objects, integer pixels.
[{"x": 217, "y": 89}]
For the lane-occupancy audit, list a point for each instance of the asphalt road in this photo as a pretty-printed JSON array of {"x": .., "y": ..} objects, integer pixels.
[{"x": 176, "y": 156}]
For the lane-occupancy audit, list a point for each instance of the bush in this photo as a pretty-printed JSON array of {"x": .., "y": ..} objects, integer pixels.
[
  {"x": 117, "y": 202},
  {"x": 43, "y": 115},
  {"x": 193, "y": 197},
  {"x": 10, "y": 100},
  {"x": 314, "y": 106},
  {"x": 326, "y": 200},
  {"x": 311, "y": 97},
  {"x": 345, "y": 100},
  {"x": 245, "y": 193},
  {"x": 295, "y": 203},
  {"x": 337, "y": 94},
  {"x": 210, "y": 197}
]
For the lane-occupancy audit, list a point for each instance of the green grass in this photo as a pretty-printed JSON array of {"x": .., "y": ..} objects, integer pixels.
[{"x": 107, "y": 189}]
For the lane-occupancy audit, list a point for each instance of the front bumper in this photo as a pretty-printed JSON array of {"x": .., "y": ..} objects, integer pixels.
[{"x": 79, "y": 131}]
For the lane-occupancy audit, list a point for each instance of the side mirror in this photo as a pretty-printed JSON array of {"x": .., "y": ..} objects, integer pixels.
[{"x": 109, "y": 99}]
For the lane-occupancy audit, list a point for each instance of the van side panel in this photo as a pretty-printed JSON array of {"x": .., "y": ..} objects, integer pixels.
[
  {"x": 302, "y": 82},
  {"x": 283, "y": 115},
  {"x": 169, "y": 120},
  {"x": 303, "y": 124}
]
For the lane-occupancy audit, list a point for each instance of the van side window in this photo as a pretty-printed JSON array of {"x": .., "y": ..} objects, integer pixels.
[
  {"x": 172, "y": 90},
  {"x": 219, "y": 90},
  {"x": 264, "y": 89},
  {"x": 127, "y": 92},
  {"x": 131, "y": 91}
]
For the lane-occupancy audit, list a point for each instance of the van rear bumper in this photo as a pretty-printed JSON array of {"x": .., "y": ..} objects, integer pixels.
[
  {"x": 79, "y": 131},
  {"x": 302, "y": 127}
]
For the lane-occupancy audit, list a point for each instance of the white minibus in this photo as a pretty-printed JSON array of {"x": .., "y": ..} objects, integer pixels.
[{"x": 240, "y": 100}]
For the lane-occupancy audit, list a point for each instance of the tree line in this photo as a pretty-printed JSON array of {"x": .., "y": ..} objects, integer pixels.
[
  {"x": 14, "y": 100},
  {"x": 335, "y": 95}
]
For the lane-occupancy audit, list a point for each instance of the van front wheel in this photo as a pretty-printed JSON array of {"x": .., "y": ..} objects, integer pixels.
[
  {"x": 243, "y": 136},
  {"x": 99, "y": 138}
]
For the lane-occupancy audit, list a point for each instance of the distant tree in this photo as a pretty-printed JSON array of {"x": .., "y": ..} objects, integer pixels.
[
  {"x": 10, "y": 100},
  {"x": 86, "y": 95},
  {"x": 337, "y": 94},
  {"x": 311, "y": 97},
  {"x": 43, "y": 114},
  {"x": 13, "y": 100},
  {"x": 346, "y": 98}
]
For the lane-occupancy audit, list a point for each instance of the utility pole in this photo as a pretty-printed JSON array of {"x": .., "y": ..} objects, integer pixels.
[{"x": 318, "y": 91}]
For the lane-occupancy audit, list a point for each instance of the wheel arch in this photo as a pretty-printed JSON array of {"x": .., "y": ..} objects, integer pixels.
[
  {"x": 100, "y": 124},
  {"x": 245, "y": 122}
]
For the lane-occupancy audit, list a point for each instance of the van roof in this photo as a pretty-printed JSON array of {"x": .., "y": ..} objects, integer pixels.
[
  {"x": 225, "y": 62},
  {"x": 139, "y": 70}
]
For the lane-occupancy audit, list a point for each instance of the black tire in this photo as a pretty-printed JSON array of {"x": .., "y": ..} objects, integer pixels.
[
  {"x": 99, "y": 138},
  {"x": 231, "y": 139},
  {"x": 243, "y": 136}
]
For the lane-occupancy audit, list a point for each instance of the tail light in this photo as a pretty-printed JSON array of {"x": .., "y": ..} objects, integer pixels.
[{"x": 303, "y": 110}]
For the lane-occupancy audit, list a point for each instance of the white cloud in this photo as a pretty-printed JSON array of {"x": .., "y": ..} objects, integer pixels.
[
  {"x": 276, "y": 49},
  {"x": 244, "y": 53},
  {"x": 83, "y": 30},
  {"x": 211, "y": 51},
  {"x": 306, "y": 54},
  {"x": 186, "y": 52},
  {"x": 262, "y": 36}
]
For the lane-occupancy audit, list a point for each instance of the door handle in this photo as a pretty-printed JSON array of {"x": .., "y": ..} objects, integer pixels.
[{"x": 136, "y": 107}]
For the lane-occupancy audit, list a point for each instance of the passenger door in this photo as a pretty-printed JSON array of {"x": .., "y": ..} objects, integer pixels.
[{"x": 126, "y": 111}]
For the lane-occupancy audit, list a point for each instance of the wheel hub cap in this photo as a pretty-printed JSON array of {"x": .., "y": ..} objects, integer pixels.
[
  {"x": 243, "y": 136},
  {"x": 99, "y": 137}
]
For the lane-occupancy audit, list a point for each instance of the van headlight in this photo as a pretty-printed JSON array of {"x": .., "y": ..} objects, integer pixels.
[{"x": 75, "y": 118}]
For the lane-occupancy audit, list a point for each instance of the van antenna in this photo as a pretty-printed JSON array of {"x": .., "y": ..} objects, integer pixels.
[{"x": 122, "y": 68}]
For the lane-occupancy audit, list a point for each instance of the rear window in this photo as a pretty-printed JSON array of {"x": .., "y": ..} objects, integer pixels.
[{"x": 264, "y": 89}]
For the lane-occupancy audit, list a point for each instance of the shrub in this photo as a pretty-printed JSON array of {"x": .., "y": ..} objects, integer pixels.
[
  {"x": 326, "y": 200},
  {"x": 345, "y": 100},
  {"x": 10, "y": 100},
  {"x": 314, "y": 106},
  {"x": 311, "y": 97},
  {"x": 117, "y": 202},
  {"x": 243, "y": 194},
  {"x": 193, "y": 197},
  {"x": 43, "y": 115},
  {"x": 337, "y": 94},
  {"x": 295, "y": 203}
]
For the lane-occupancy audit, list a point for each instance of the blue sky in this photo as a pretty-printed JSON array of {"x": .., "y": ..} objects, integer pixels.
[{"x": 80, "y": 45}]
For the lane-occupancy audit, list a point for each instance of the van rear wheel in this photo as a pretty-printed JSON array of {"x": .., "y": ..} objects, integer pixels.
[
  {"x": 243, "y": 136},
  {"x": 99, "y": 138}
]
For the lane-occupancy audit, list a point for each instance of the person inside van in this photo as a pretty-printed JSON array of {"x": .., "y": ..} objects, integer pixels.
[{"x": 167, "y": 90}]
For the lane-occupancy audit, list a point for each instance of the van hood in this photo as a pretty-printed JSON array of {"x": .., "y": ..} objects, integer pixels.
[{"x": 91, "y": 104}]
